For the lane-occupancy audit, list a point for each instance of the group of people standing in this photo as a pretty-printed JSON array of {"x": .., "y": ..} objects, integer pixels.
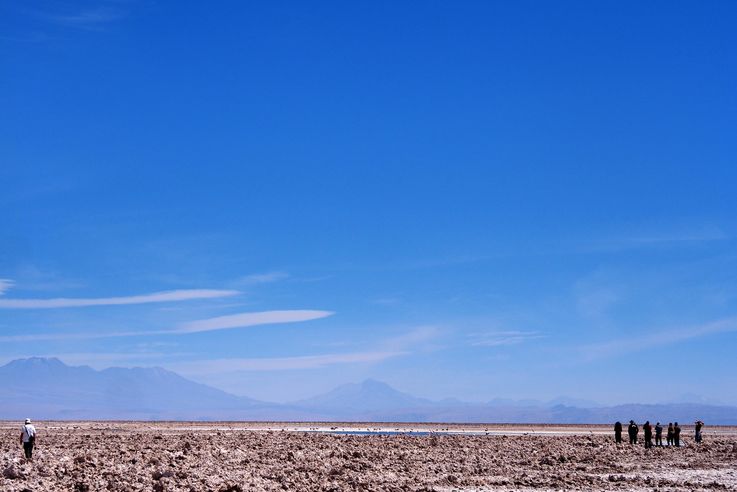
[{"x": 673, "y": 435}]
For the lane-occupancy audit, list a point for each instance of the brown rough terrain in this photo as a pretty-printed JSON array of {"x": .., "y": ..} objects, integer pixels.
[{"x": 235, "y": 457}]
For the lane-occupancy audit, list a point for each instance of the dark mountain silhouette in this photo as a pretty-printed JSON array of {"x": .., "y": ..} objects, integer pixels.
[{"x": 49, "y": 389}]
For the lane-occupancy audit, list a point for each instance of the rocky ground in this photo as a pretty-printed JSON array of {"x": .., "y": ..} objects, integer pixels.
[{"x": 173, "y": 457}]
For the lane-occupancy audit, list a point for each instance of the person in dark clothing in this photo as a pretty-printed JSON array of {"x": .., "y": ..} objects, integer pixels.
[
  {"x": 697, "y": 429},
  {"x": 633, "y": 430},
  {"x": 670, "y": 434},
  {"x": 677, "y": 434},
  {"x": 658, "y": 435},
  {"x": 648, "y": 430},
  {"x": 618, "y": 432}
]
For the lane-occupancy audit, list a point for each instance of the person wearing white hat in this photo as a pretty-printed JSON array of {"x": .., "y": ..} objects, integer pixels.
[{"x": 28, "y": 438}]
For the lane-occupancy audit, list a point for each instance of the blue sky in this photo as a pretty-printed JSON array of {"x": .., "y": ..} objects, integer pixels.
[{"x": 468, "y": 199}]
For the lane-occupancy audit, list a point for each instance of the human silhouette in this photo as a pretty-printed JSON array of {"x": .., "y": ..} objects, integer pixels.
[
  {"x": 669, "y": 437},
  {"x": 648, "y": 430},
  {"x": 633, "y": 430},
  {"x": 618, "y": 432},
  {"x": 697, "y": 429},
  {"x": 658, "y": 434},
  {"x": 677, "y": 434}
]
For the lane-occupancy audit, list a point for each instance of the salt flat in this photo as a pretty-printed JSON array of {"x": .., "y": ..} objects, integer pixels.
[{"x": 233, "y": 456}]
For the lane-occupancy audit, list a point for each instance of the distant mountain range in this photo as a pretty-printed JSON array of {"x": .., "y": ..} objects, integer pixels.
[{"x": 49, "y": 389}]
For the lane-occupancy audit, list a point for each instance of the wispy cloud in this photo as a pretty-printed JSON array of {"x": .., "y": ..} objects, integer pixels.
[
  {"x": 93, "y": 17},
  {"x": 31, "y": 37},
  {"x": 450, "y": 261},
  {"x": 5, "y": 285},
  {"x": 49, "y": 337},
  {"x": 597, "y": 293},
  {"x": 217, "y": 366},
  {"x": 226, "y": 365},
  {"x": 261, "y": 278},
  {"x": 595, "y": 303},
  {"x": 167, "y": 296},
  {"x": 417, "y": 337},
  {"x": 386, "y": 301},
  {"x": 390, "y": 348},
  {"x": 623, "y": 346},
  {"x": 500, "y": 338},
  {"x": 685, "y": 236},
  {"x": 244, "y": 320},
  {"x": 658, "y": 238},
  {"x": 398, "y": 346},
  {"x": 30, "y": 277},
  {"x": 87, "y": 17}
]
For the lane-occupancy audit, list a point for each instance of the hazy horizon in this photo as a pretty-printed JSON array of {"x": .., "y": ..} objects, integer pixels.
[
  {"x": 481, "y": 200},
  {"x": 570, "y": 400}
]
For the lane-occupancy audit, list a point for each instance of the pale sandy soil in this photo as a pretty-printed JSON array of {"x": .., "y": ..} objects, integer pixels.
[{"x": 231, "y": 457}]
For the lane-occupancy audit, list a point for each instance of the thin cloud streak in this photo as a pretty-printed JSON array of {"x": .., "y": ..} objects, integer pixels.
[
  {"x": 389, "y": 348},
  {"x": 48, "y": 337},
  {"x": 5, "y": 285},
  {"x": 86, "y": 18},
  {"x": 261, "y": 278},
  {"x": 244, "y": 320},
  {"x": 659, "y": 238},
  {"x": 217, "y": 366},
  {"x": 666, "y": 337},
  {"x": 501, "y": 338},
  {"x": 90, "y": 19},
  {"x": 166, "y": 296},
  {"x": 417, "y": 337}
]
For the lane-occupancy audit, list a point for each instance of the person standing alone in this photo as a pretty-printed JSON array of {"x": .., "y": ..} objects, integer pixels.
[
  {"x": 698, "y": 426},
  {"x": 28, "y": 439}
]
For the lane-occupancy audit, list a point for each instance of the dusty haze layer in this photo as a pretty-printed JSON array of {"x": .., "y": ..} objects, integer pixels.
[{"x": 137, "y": 456}]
